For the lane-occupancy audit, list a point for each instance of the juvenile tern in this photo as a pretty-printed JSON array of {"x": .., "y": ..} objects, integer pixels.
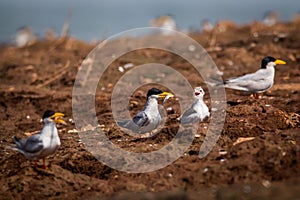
[
  {"x": 259, "y": 81},
  {"x": 44, "y": 143},
  {"x": 149, "y": 118},
  {"x": 198, "y": 111}
]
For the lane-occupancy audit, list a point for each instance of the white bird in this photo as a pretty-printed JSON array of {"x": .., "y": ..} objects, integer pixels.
[
  {"x": 44, "y": 143},
  {"x": 25, "y": 36},
  {"x": 149, "y": 118},
  {"x": 257, "y": 82},
  {"x": 271, "y": 18},
  {"x": 165, "y": 22},
  {"x": 207, "y": 25},
  {"x": 198, "y": 111}
]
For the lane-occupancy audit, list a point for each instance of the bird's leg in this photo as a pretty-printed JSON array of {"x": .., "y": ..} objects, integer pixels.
[
  {"x": 44, "y": 164},
  {"x": 255, "y": 95},
  {"x": 35, "y": 164},
  {"x": 151, "y": 133},
  {"x": 37, "y": 167}
]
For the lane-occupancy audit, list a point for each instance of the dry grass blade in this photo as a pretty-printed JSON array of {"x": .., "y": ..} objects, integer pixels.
[
  {"x": 56, "y": 76},
  {"x": 243, "y": 139}
]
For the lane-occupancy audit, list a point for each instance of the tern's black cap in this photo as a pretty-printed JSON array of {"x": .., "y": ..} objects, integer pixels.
[
  {"x": 266, "y": 60},
  {"x": 48, "y": 113},
  {"x": 153, "y": 91}
]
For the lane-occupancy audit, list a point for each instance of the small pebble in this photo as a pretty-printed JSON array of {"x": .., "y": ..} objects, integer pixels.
[
  {"x": 222, "y": 152},
  {"x": 266, "y": 183},
  {"x": 121, "y": 69},
  {"x": 128, "y": 65},
  {"x": 214, "y": 109},
  {"x": 72, "y": 131},
  {"x": 169, "y": 109},
  {"x": 255, "y": 34},
  {"x": 230, "y": 63},
  {"x": 205, "y": 170},
  {"x": 192, "y": 48}
]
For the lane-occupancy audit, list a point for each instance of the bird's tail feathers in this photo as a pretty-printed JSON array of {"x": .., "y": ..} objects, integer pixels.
[
  {"x": 122, "y": 123},
  {"x": 17, "y": 142},
  {"x": 13, "y": 147},
  {"x": 212, "y": 81}
]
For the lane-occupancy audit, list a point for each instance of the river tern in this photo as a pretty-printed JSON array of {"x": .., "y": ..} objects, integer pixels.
[
  {"x": 44, "y": 143},
  {"x": 198, "y": 112},
  {"x": 257, "y": 82},
  {"x": 149, "y": 118}
]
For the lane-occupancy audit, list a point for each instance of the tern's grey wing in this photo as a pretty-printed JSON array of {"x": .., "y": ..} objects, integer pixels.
[
  {"x": 32, "y": 144},
  {"x": 128, "y": 124},
  {"x": 257, "y": 81},
  {"x": 141, "y": 119},
  {"x": 189, "y": 112},
  {"x": 253, "y": 77},
  {"x": 189, "y": 116}
]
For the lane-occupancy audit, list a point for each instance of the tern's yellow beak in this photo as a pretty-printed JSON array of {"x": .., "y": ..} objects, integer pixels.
[
  {"x": 57, "y": 118},
  {"x": 280, "y": 62},
  {"x": 164, "y": 94}
]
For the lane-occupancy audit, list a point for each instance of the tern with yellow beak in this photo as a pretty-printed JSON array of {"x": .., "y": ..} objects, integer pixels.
[
  {"x": 259, "y": 81},
  {"x": 44, "y": 143},
  {"x": 149, "y": 118}
]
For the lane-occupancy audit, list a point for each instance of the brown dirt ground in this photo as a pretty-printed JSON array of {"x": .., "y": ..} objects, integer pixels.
[{"x": 41, "y": 76}]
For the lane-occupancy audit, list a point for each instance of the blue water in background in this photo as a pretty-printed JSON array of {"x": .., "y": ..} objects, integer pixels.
[{"x": 98, "y": 19}]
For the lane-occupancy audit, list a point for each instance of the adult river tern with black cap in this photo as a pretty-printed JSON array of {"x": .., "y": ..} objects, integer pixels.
[
  {"x": 149, "y": 118},
  {"x": 43, "y": 144},
  {"x": 257, "y": 82}
]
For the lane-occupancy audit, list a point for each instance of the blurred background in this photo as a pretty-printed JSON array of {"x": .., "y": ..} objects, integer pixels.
[{"x": 98, "y": 19}]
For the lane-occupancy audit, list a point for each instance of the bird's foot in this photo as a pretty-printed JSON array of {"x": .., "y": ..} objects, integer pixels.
[
  {"x": 45, "y": 167},
  {"x": 41, "y": 167}
]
